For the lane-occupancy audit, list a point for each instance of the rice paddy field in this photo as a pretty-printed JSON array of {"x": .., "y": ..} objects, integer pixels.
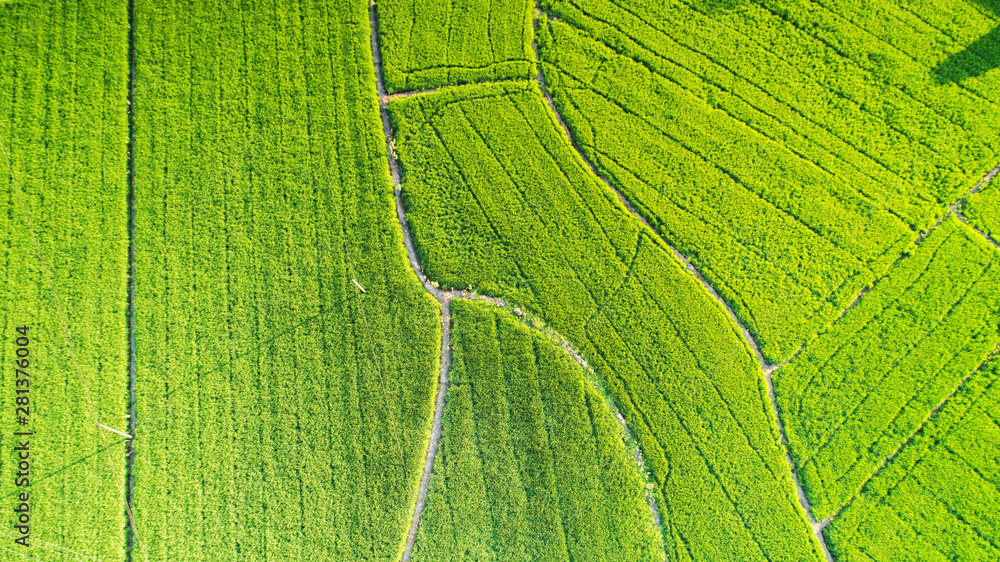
[{"x": 491, "y": 281}]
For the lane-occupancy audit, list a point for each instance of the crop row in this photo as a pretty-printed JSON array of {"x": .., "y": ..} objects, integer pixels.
[
  {"x": 532, "y": 466},
  {"x": 431, "y": 43},
  {"x": 282, "y": 413},
  {"x": 857, "y": 392},
  {"x": 63, "y": 342},
  {"x": 498, "y": 199},
  {"x": 936, "y": 500}
]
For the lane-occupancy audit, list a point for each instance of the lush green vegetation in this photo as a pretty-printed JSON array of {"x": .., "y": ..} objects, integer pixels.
[
  {"x": 937, "y": 499},
  {"x": 983, "y": 210},
  {"x": 790, "y": 149},
  {"x": 282, "y": 413},
  {"x": 63, "y": 81},
  {"x": 857, "y": 392},
  {"x": 430, "y": 43},
  {"x": 499, "y": 200},
  {"x": 796, "y": 151},
  {"x": 532, "y": 465}
]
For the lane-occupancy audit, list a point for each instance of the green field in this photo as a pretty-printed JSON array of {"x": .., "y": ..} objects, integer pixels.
[
  {"x": 937, "y": 499},
  {"x": 275, "y": 400},
  {"x": 769, "y": 229},
  {"x": 533, "y": 465},
  {"x": 498, "y": 199},
  {"x": 431, "y": 43},
  {"x": 790, "y": 166},
  {"x": 63, "y": 74},
  {"x": 857, "y": 392},
  {"x": 983, "y": 211}
]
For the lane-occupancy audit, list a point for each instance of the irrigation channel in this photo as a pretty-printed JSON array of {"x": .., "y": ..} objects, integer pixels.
[{"x": 444, "y": 297}]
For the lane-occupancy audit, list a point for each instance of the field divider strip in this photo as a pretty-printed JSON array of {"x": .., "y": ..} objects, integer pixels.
[
  {"x": 955, "y": 207},
  {"x": 957, "y": 204},
  {"x": 441, "y": 296},
  {"x": 131, "y": 534}
]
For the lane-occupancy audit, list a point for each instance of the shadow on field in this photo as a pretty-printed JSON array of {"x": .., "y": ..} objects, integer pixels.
[{"x": 981, "y": 56}]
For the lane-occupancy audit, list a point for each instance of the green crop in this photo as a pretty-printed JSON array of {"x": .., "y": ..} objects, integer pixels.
[
  {"x": 498, "y": 199},
  {"x": 63, "y": 345},
  {"x": 790, "y": 164},
  {"x": 856, "y": 393},
  {"x": 430, "y": 43},
  {"x": 936, "y": 500},
  {"x": 813, "y": 160},
  {"x": 282, "y": 413},
  {"x": 532, "y": 465}
]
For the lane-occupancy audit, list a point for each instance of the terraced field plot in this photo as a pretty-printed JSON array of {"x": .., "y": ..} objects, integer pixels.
[
  {"x": 761, "y": 230},
  {"x": 532, "y": 463},
  {"x": 430, "y": 43}
]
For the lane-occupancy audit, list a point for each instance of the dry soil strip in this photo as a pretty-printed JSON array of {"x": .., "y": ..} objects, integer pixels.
[{"x": 438, "y": 294}]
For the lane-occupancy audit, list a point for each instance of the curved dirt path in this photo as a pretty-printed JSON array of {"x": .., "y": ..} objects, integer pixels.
[
  {"x": 767, "y": 368},
  {"x": 445, "y": 297}
]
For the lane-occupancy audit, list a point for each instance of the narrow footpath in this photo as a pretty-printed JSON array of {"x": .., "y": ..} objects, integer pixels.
[{"x": 444, "y": 298}]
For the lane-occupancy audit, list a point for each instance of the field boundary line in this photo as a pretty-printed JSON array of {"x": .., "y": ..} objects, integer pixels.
[
  {"x": 64, "y": 324},
  {"x": 754, "y": 348},
  {"x": 956, "y": 206},
  {"x": 440, "y": 296},
  {"x": 131, "y": 533}
]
